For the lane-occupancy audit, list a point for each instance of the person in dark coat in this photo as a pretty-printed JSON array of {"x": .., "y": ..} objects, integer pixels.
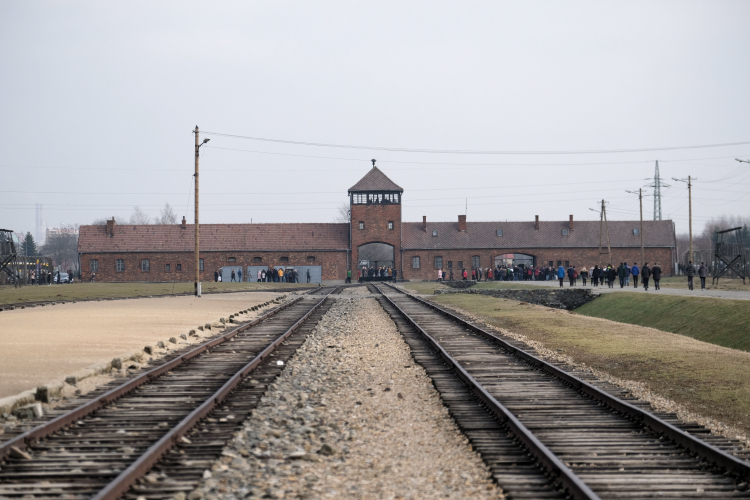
[
  {"x": 571, "y": 275},
  {"x": 690, "y": 271},
  {"x": 645, "y": 275},
  {"x": 233, "y": 276},
  {"x": 216, "y": 276},
  {"x": 308, "y": 276},
  {"x": 611, "y": 275},
  {"x": 621, "y": 274},
  {"x": 595, "y": 275},
  {"x": 656, "y": 274}
]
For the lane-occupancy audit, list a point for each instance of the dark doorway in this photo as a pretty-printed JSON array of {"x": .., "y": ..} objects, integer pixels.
[{"x": 376, "y": 255}]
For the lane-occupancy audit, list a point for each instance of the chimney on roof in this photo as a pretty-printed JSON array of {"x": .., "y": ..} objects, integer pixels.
[
  {"x": 536, "y": 224},
  {"x": 111, "y": 227},
  {"x": 424, "y": 223},
  {"x": 570, "y": 224},
  {"x": 462, "y": 223},
  {"x": 184, "y": 223}
]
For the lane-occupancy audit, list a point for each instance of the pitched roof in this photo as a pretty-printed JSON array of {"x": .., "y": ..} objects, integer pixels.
[
  {"x": 215, "y": 237},
  {"x": 375, "y": 180},
  {"x": 585, "y": 234}
]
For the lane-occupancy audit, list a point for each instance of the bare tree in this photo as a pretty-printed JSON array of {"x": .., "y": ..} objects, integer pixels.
[
  {"x": 139, "y": 217},
  {"x": 62, "y": 248},
  {"x": 342, "y": 213},
  {"x": 167, "y": 216}
]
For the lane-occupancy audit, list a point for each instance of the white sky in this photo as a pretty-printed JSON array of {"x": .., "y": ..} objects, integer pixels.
[{"x": 98, "y": 101}]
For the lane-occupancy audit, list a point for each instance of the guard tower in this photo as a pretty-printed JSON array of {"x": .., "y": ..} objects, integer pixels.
[
  {"x": 8, "y": 258},
  {"x": 375, "y": 218}
]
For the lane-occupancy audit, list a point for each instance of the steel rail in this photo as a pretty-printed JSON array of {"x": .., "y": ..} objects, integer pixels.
[
  {"x": 568, "y": 479},
  {"x": 656, "y": 424},
  {"x": 48, "y": 428},
  {"x": 122, "y": 483}
]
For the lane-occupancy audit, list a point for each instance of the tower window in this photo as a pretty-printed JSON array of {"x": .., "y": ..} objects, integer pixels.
[
  {"x": 361, "y": 224},
  {"x": 390, "y": 224}
]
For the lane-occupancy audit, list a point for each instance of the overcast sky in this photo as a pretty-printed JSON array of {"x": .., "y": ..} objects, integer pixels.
[{"x": 98, "y": 101}]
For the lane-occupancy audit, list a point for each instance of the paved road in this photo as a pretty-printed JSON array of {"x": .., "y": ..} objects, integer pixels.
[{"x": 719, "y": 294}]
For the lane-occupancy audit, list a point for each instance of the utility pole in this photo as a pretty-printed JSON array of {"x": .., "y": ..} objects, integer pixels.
[
  {"x": 640, "y": 231},
  {"x": 602, "y": 225},
  {"x": 690, "y": 211},
  {"x": 197, "y": 226},
  {"x": 606, "y": 225}
]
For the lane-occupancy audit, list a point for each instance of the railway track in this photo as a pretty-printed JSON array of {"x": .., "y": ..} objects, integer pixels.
[
  {"x": 155, "y": 435},
  {"x": 546, "y": 433}
]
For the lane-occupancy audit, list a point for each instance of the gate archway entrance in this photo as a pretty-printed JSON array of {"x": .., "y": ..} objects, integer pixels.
[
  {"x": 515, "y": 259},
  {"x": 376, "y": 255}
]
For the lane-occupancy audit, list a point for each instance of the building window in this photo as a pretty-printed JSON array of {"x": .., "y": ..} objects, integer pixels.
[
  {"x": 636, "y": 231},
  {"x": 310, "y": 258},
  {"x": 257, "y": 259},
  {"x": 499, "y": 232},
  {"x": 179, "y": 267},
  {"x": 120, "y": 265},
  {"x": 232, "y": 259},
  {"x": 551, "y": 263},
  {"x": 284, "y": 259},
  {"x": 168, "y": 267},
  {"x": 94, "y": 265},
  {"x": 460, "y": 264},
  {"x": 438, "y": 262},
  {"x": 567, "y": 264},
  {"x": 361, "y": 224},
  {"x": 475, "y": 261},
  {"x": 450, "y": 264},
  {"x": 559, "y": 263},
  {"x": 390, "y": 224},
  {"x": 565, "y": 232},
  {"x": 415, "y": 262},
  {"x": 145, "y": 265},
  {"x": 434, "y": 233},
  {"x": 359, "y": 199},
  {"x": 200, "y": 264}
]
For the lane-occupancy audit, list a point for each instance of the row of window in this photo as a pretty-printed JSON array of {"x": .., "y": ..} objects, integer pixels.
[
  {"x": 146, "y": 264},
  {"x": 362, "y": 224},
  {"x": 370, "y": 198}
]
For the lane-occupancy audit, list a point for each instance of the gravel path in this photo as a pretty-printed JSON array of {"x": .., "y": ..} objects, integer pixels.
[
  {"x": 355, "y": 290},
  {"x": 351, "y": 416}
]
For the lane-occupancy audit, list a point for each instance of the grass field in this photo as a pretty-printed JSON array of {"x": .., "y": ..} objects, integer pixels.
[
  {"x": 725, "y": 284},
  {"x": 706, "y": 378},
  {"x": 84, "y": 291},
  {"x": 718, "y": 321}
]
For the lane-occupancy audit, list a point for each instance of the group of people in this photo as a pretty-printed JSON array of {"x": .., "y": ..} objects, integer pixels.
[
  {"x": 377, "y": 272},
  {"x": 270, "y": 275},
  {"x": 46, "y": 277},
  {"x": 692, "y": 272},
  {"x": 610, "y": 275}
]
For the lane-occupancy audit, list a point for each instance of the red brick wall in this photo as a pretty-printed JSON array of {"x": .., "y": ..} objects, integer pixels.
[
  {"x": 333, "y": 264},
  {"x": 376, "y": 230},
  {"x": 578, "y": 257}
]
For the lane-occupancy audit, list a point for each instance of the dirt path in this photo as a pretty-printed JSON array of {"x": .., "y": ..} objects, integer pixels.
[{"x": 48, "y": 343}]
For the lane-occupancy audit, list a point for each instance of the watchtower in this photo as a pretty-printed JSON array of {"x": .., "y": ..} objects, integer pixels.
[{"x": 375, "y": 218}]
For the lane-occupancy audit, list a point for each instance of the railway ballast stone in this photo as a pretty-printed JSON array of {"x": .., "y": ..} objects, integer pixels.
[
  {"x": 567, "y": 298},
  {"x": 327, "y": 428},
  {"x": 460, "y": 284}
]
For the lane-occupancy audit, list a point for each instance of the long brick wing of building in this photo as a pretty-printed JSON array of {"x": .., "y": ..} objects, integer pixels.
[{"x": 376, "y": 236}]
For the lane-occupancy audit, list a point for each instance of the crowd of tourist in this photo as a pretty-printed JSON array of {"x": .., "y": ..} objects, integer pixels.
[{"x": 377, "y": 272}]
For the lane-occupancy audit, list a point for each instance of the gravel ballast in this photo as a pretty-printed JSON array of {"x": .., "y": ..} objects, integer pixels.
[{"x": 351, "y": 416}]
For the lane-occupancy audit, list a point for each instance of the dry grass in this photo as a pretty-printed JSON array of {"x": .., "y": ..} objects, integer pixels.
[
  {"x": 84, "y": 291},
  {"x": 424, "y": 287},
  {"x": 707, "y": 379},
  {"x": 726, "y": 284}
]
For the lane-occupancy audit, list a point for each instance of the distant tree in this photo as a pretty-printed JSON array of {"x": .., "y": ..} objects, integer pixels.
[
  {"x": 28, "y": 246},
  {"x": 167, "y": 216},
  {"x": 63, "y": 250},
  {"x": 139, "y": 217},
  {"x": 342, "y": 213}
]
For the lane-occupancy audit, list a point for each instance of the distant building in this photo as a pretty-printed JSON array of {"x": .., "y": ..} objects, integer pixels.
[
  {"x": 59, "y": 230},
  {"x": 375, "y": 236}
]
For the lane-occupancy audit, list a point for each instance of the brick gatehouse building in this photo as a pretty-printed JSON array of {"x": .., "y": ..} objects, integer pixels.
[{"x": 375, "y": 235}]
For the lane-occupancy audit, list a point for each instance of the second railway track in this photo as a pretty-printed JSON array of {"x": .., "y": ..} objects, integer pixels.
[
  {"x": 169, "y": 426},
  {"x": 545, "y": 433}
]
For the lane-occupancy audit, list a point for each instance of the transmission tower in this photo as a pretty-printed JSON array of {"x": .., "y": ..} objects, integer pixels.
[{"x": 657, "y": 185}]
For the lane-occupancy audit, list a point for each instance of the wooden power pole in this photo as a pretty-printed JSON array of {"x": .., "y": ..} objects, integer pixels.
[
  {"x": 640, "y": 199},
  {"x": 690, "y": 211},
  {"x": 197, "y": 226}
]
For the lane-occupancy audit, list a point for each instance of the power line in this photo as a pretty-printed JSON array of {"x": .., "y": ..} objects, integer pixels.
[{"x": 474, "y": 152}]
